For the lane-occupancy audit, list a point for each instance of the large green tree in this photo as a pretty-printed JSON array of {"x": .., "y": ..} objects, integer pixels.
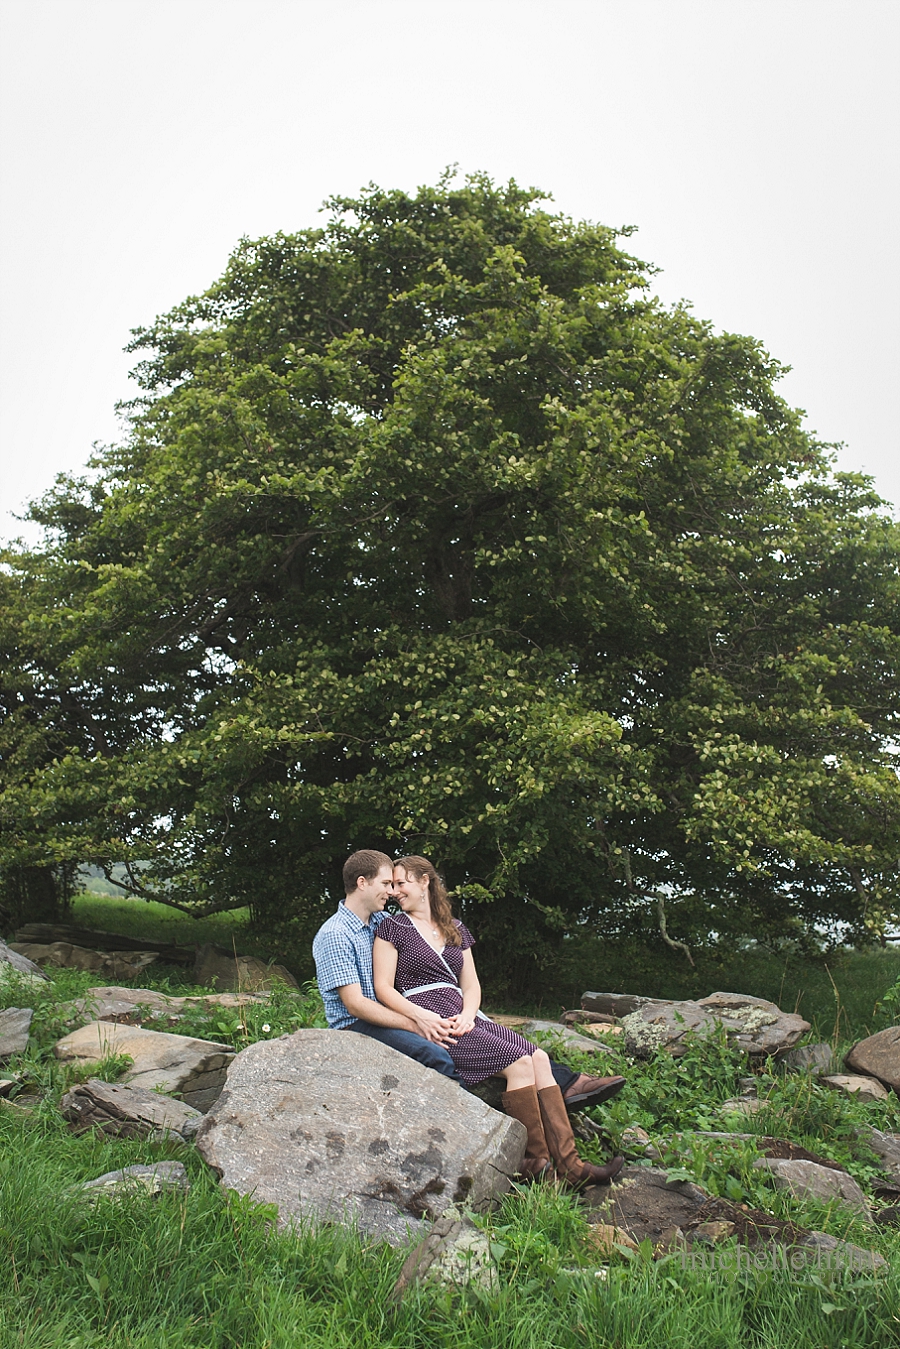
[{"x": 435, "y": 531}]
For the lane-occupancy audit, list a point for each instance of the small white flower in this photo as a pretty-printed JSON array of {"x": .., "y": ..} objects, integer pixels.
[{"x": 266, "y": 1028}]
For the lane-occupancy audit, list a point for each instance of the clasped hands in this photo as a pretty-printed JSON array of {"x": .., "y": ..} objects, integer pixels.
[{"x": 442, "y": 1030}]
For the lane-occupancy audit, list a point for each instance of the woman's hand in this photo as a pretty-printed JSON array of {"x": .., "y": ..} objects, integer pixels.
[
  {"x": 463, "y": 1023},
  {"x": 440, "y": 1030}
]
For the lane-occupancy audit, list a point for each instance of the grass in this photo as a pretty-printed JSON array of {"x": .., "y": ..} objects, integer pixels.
[
  {"x": 209, "y": 1269},
  {"x": 145, "y": 918}
]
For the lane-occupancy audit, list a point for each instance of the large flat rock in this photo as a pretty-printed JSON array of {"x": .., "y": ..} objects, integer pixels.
[
  {"x": 754, "y": 1025},
  {"x": 335, "y": 1126},
  {"x": 128, "y": 1112},
  {"x": 193, "y": 1070},
  {"x": 878, "y": 1056},
  {"x": 112, "y": 1003},
  {"x": 809, "y": 1180}
]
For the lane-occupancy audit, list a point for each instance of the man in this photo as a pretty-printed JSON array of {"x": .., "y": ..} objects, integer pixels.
[{"x": 342, "y": 950}]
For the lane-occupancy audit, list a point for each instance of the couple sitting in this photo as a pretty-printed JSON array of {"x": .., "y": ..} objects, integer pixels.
[{"x": 410, "y": 982}]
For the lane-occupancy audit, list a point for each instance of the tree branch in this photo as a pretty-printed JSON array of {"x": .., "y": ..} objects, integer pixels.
[{"x": 660, "y": 908}]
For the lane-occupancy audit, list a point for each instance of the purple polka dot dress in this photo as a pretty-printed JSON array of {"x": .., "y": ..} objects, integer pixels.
[{"x": 482, "y": 1051}]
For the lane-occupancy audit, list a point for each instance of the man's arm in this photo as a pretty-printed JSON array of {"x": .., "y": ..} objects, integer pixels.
[{"x": 365, "y": 1009}]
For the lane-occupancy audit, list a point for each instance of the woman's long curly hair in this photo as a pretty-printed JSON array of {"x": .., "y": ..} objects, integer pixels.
[{"x": 441, "y": 913}]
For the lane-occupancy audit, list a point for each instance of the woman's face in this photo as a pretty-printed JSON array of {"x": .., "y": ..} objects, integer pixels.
[{"x": 408, "y": 892}]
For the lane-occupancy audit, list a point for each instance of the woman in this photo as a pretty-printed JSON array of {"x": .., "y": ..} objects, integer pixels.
[{"x": 423, "y": 967}]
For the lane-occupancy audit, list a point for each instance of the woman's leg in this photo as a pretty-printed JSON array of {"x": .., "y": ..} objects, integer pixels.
[
  {"x": 519, "y": 1074},
  {"x": 561, "y": 1144},
  {"x": 520, "y": 1100}
]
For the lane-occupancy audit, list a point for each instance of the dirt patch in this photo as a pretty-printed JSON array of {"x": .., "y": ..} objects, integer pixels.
[
  {"x": 645, "y": 1203},
  {"x": 781, "y": 1148},
  {"x": 648, "y": 1206},
  {"x": 752, "y": 1226}
]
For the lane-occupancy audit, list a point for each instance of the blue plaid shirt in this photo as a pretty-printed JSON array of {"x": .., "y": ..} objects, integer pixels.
[{"x": 342, "y": 950}]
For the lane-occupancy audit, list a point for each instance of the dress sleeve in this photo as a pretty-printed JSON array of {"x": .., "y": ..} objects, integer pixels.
[
  {"x": 467, "y": 938},
  {"x": 389, "y": 930}
]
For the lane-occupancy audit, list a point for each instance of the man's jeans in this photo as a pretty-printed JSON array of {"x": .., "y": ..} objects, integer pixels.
[
  {"x": 412, "y": 1045},
  {"x": 435, "y": 1056}
]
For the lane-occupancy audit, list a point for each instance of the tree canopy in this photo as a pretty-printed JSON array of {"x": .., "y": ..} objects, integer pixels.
[{"x": 434, "y": 531}]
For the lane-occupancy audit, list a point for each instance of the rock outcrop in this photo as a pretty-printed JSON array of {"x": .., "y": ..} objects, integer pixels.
[
  {"x": 131, "y": 1180},
  {"x": 97, "y": 940},
  {"x": 754, "y": 1025},
  {"x": 339, "y": 1127},
  {"x": 112, "y": 1003},
  {"x": 119, "y": 964},
  {"x": 569, "y": 1039},
  {"x": 193, "y": 1070},
  {"x": 643, "y": 1202},
  {"x": 617, "y": 1004},
  {"x": 816, "y": 1059},
  {"x": 887, "y": 1149}
]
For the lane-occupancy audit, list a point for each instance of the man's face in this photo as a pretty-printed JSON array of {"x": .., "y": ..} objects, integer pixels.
[{"x": 378, "y": 890}]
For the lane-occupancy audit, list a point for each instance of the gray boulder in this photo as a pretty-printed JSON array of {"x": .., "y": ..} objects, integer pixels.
[
  {"x": 222, "y": 969},
  {"x": 808, "y": 1180},
  {"x": 192, "y": 1069},
  {"x": 12, "y": 963},
  {"x": 878, "y": 1056},
  {"x": 129, "y": 1112},
  {"x": 332, "y": 1125},
  {"x": 754, "y": 1025},
  {"x": 815, "y": 1059},
  {"x": 15, "y": 1023}
]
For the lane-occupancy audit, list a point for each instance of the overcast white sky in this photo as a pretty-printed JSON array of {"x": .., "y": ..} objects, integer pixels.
[{"x": 754, "y": 143}]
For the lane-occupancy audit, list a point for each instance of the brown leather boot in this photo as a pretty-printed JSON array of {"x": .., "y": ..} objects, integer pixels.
[
  {"x": 561, "y": 1142},
  {"x": 523, "y": 1105}
]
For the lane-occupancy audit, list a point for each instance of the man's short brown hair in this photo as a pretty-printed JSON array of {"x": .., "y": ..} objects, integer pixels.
[{"x": 367, "y": 862}]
